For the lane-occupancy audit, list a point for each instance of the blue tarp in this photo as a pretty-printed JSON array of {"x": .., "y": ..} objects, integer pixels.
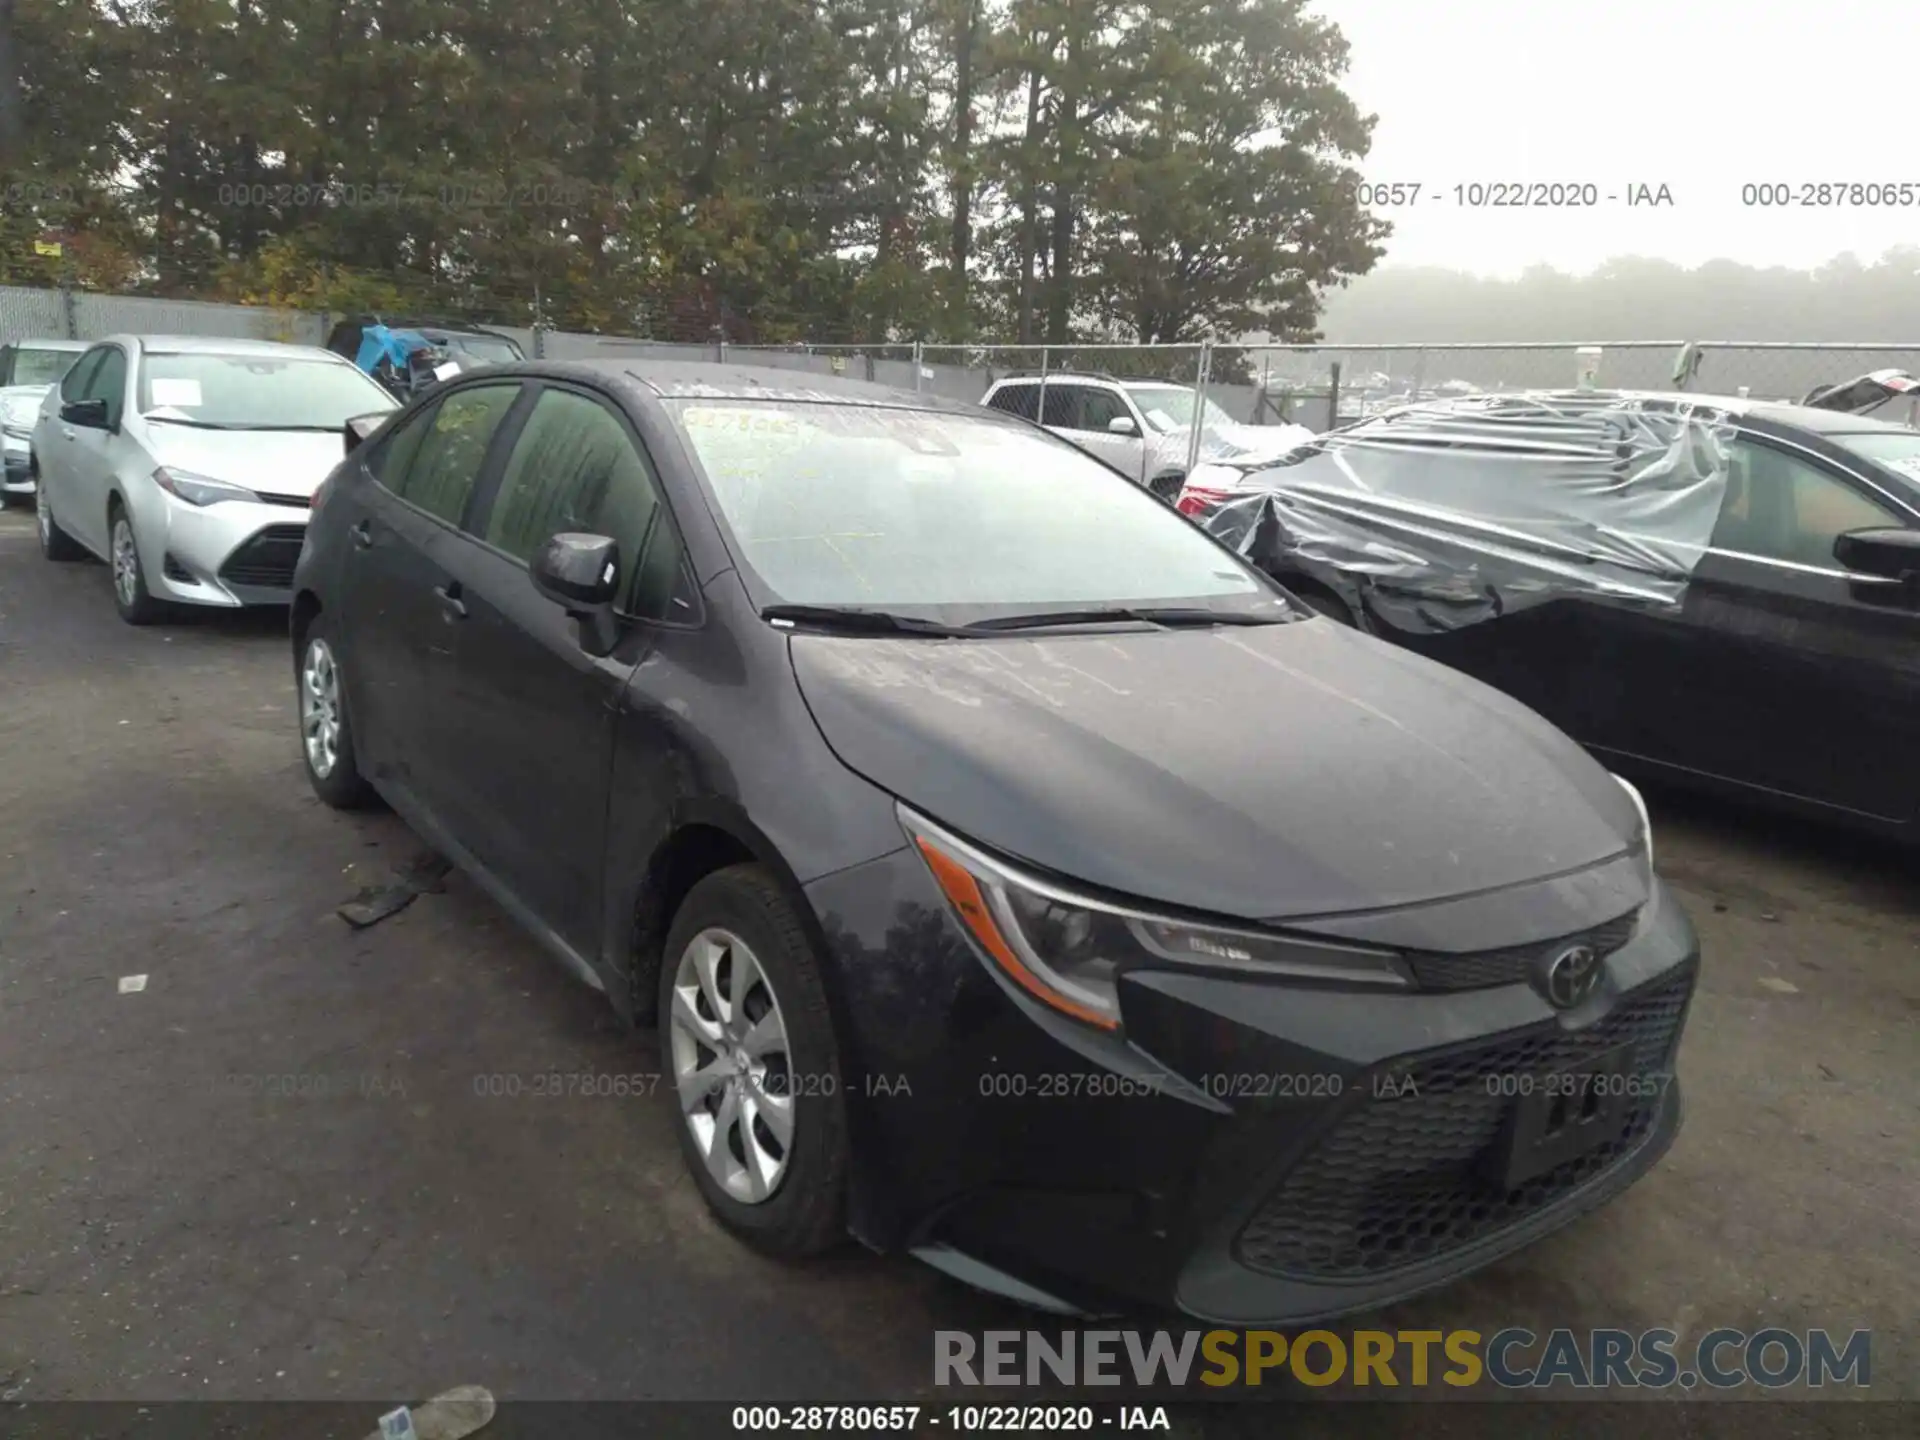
[{"x": 378, "y": 343}]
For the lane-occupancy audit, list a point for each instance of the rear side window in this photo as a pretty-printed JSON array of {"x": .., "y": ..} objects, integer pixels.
[
  {"x": 575, "y": 468},
  {"x": 436, "y": 467},
  {"x": 1021, "y": 400}
]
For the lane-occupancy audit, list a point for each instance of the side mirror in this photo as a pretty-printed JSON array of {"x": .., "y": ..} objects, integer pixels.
[
  {"x": 1122, "y": 425},
  {"x": 581, "y": 574},
  {"x": 360, "y": 427},
  {"x": 91, "y": 414},
  {"x": 1890, "y": 554}
]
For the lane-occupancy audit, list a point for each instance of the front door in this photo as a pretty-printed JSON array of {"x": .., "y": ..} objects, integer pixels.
[
  {"x": 1779, "y": 671},
  {"x": 537, "y": 711},
  {"x": 1084, "y": 413}
]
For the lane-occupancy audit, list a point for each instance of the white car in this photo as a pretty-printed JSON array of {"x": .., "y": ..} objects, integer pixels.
[
  {"x": 1140, "y": 427},
  {"x": 189, "y": 465},
  {"x": 28, "y": 369}
]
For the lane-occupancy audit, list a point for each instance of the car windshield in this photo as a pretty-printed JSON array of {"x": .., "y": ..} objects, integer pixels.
[
  {"x": 489, "y": 348},
  {"x": 42, "y": 367},
  {"x": 1170, "y": 407},
  {"x": 872, "y": 507},
  {"x": 1899, "y": 449},
  {"x": 255, "y": 392}
]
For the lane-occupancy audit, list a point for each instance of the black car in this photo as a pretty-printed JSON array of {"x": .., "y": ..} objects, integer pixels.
[
  {"x": 1016, "y": 877},
  {"x": 1709, "y": 591}
]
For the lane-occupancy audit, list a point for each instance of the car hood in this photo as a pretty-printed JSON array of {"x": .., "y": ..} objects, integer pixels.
[
  {"x": 20, "y": 397},
  {"x": 281, "y": 462},
  {"x": 1264, "y": 773}
]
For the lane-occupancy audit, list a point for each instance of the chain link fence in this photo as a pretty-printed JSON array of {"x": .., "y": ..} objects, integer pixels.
[{"x": 1318, "y": 386}]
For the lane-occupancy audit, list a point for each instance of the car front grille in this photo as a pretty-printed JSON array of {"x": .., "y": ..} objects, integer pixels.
[
  {"x": 1402, "y": 1176},
  {"x": 266, "y": 561},
  {"x": 271, "y": 497},
  {"x": 1504, "y": 967}
]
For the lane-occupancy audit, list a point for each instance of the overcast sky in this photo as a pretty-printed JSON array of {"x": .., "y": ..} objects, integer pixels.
[{"x": 1702, "y": 95}]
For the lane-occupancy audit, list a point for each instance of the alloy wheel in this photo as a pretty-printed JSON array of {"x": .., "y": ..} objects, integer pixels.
[
  {"x": 320, "y": 707},
  {"x": 126, "y": 563},
  {"x": 732, "y": 1067}
]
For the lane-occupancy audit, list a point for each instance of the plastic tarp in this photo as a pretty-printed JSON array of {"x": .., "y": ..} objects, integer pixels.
[
  {"x": 379, "y": 343},
  {"x": 1449, "y": 512}
]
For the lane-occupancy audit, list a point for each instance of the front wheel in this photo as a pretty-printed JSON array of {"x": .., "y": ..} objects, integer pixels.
[
  {"x": 747, "y": 1038},
  {"x": 130, "y": 595}
]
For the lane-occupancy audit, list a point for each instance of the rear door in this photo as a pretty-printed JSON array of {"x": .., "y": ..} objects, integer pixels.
[
  {"x": 1780, "y": 671},
  {"x": 399, "y": 616},
  {"x": 536, "y": 711}
]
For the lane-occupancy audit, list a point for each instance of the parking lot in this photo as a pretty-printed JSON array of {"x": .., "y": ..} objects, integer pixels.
[{"x": 178, "y": 1222}]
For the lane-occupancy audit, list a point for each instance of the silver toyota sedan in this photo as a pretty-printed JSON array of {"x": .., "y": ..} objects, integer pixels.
[{"x": 189, "y": 464}]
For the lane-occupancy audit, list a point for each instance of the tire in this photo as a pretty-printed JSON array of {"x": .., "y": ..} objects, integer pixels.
[
  {"x": 55, "y": 543},
  {"x": 326, "y": 732},
  {"x": 802, "y": 1209},
  {"x": 130, "y": 595}
]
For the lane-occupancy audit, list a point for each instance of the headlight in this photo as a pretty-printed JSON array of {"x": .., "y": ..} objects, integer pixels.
[
  {"x": 18, "y": 412},
  {"x": 198, "y": 489},
  {"x": 1068, "y": 950},
  {"x": 1646, "y": 822}
]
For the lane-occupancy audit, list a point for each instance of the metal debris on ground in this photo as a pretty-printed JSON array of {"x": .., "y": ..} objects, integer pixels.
[
  {"x": 132, "y": 984},
  {"x": 425, "y": 874}
]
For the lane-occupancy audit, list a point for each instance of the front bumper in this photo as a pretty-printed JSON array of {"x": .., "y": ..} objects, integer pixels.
[
  {"x": 231, "y": 554},
  {"x": 1254, "y": 1151}
]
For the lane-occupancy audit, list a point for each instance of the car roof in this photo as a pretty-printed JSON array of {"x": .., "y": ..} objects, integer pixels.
[
  {"x": 702, "y": 380},
  {"x": 216, "y": 345},
  {"x": 32, "y": 343}
]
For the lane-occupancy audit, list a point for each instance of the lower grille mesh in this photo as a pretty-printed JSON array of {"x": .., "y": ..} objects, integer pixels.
[
  {"x": 267, "y": 560},
  {"x": 1400, "y": 1179}
]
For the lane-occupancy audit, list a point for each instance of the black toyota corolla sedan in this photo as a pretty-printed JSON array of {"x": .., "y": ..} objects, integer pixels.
[{"x": 1015, "y": 876}]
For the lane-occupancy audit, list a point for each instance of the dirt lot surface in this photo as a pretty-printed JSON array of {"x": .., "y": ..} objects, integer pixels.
[{"x": 173, "y": 1225}]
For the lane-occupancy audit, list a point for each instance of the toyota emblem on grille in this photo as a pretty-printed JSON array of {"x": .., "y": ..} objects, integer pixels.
[{"x": 1570, "y": 976}]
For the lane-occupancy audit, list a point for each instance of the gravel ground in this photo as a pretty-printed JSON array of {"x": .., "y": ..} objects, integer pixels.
[{"x": 171, "y": 1227}]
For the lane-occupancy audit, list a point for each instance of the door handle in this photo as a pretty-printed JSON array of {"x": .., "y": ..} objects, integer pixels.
[
  {"x": 362, "y": 534},
  {"x": 66, "y": 433},
  {"x": 451, "y": 605}
]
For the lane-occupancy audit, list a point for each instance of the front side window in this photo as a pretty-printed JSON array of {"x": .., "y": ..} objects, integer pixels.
[
  {"x": 74, "y": 385},
  {"x": 255, "y": 391},
  {"x": 108, "y": 382},
  {"x": 435, "y": 467},
  {"x": 575, "y": 469},
  {"x": 1781, "y": 507},
  {"x": 865, "y": 506}
]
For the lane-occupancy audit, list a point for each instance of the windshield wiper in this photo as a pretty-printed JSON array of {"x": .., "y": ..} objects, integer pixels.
[
  {"x": 183, "y": 420},
  {"x": 856, "y": 621},
  {"x": 1170, "y": 617}
]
